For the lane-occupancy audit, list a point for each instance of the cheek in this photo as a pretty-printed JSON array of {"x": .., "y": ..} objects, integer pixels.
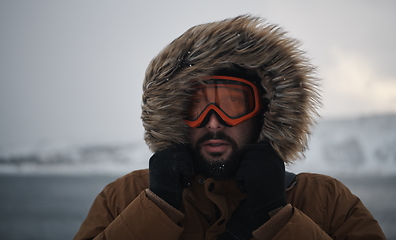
[
  {"x": 247, "y": 133},
  {"x": 243, "y": 139},
  {"x": 194, "y": 136}
]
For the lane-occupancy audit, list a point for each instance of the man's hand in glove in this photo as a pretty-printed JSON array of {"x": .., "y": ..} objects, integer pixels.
[
  {"x": 170, "y": 173},
  {"x": 261, "y": 176}
]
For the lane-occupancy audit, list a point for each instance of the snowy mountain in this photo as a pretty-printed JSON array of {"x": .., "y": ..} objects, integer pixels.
[
  {"x": 337, "y": 147},
  {"x": 364, "y": 145},
  {"x": 72, "y": 159}
]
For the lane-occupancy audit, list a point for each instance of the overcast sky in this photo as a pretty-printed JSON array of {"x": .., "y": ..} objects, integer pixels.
[{"x": 72, "y": 71}]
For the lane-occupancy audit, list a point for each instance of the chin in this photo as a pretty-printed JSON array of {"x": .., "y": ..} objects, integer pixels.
[
  {"x": 216, "y": 156},
  {"x": 219, "y": 166}
]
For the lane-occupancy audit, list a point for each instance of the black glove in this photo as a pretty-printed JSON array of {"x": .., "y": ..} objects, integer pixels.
[
  {"x": 261, "y": 176},
  {"x": 170, "y": 173}
]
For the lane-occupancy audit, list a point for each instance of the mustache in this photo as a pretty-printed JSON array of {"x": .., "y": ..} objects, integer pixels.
[{"x": 214, "y": 136}]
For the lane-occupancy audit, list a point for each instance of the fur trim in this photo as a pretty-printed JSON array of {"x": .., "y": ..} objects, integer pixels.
[{"x": 244, "y": 41}]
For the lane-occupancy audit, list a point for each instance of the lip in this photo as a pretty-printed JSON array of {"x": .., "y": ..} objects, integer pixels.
[{"x": 215, "y": 145}]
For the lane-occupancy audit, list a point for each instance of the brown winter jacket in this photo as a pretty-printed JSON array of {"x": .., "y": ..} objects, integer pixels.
[{"x": 320, "y": 207}]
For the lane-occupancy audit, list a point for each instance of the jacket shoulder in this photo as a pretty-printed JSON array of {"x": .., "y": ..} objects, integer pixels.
[
  {"x": 321, "y": 180},
  {"x": 125, "y": 189},
  {"x": 138, "y": 177},
  {"x": 318, "y": 187},
  {"x": 317, "y": 176},
  {"x": 327, "y": 201}
]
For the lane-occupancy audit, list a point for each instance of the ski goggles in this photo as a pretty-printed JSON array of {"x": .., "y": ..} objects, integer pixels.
[{"x": 234, "y": 100}]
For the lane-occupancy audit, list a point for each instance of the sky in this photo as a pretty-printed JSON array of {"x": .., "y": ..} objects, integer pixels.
[{"x": 72, "y": 71}]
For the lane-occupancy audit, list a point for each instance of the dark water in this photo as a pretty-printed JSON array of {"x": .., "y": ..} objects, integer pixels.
[
  {"x": 45, "y": 207},
  {"x": 53, "y": 207}
]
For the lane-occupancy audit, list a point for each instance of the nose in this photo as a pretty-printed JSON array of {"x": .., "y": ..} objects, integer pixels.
[{"x": 214, "y": 123}]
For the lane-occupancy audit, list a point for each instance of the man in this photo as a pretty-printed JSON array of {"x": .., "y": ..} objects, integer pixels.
[{"x": 225, "y": 105}]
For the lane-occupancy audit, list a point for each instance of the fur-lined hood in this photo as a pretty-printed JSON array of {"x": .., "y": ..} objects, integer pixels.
[{"x": 245, "y": 41}]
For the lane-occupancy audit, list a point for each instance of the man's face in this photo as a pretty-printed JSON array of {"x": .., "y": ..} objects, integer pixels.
[{"x": 218, "y": 148}]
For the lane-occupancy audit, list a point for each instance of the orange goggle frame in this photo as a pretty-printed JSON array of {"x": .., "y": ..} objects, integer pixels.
[{"x": 235, "y": 100}]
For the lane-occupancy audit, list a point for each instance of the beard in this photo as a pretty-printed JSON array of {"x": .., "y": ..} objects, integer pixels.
[{"x": 221, "y": 168}]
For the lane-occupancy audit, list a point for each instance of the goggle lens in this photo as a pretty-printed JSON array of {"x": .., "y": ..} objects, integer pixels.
[{"x": 234, "y": 99}]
